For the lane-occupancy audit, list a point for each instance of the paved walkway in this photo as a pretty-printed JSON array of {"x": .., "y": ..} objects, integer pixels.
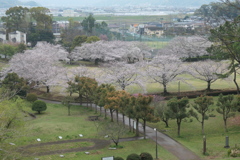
[{"x": 181, "y": 152}]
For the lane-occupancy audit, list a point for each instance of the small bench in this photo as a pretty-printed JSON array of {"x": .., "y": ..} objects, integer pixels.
[{"x": 93, "y": 118}]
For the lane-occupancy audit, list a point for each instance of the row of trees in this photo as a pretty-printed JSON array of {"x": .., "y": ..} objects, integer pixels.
[
  {"x": 201, "y": 109},
  {"x": 105, "y": 95},
  {"x": 42, "y": 66}
]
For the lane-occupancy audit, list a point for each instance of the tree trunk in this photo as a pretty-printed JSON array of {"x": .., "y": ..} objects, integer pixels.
[
  {"x": 117, "y": 114},
  {"x": 179, "y": 126},
  {"x": 144, "y": 128},
  {"x": 48, "y": 89},
  {"x": 166, "y": 123},
  {"x": 202, "y": 122},
  {"x": 137, "y": 129},
  {"x": 95, "y": 108},
  {"x": 105, "y": 111},
  {"x": 164, "y": 89},
  {"x": 235, "y": 79},
  {"x": 129, "y": 122},
  {"x": 225, "y": 124},
  {"x": 208, "y": 85},
  {"x": 111, "y": 112},
  {"x": 123, "y": 119}
]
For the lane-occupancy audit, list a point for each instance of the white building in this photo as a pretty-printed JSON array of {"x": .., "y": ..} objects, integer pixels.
[
  {"x": 17, "y": 37},
  {"x": 69, "y": 13},
  {"x": 2, "y": 37}
]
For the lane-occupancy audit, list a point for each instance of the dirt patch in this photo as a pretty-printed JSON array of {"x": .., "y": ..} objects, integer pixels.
[
  {"x": 98, "y": 144},
  {"x": 234, "y": 121}
]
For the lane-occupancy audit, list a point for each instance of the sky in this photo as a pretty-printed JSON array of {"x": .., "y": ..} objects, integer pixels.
[{"x": 101, "y": 2}]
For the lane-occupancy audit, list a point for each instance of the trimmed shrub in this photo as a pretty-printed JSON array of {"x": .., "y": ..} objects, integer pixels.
[
  {"x": 31, "y": 97},
  {"x": 146, "y": 156},
  {"x": 133, "y": 156},
  {"x": 118, "y": 158},
  {"x": 22, "y": 93},
  {"x": 39, "y": 106}
]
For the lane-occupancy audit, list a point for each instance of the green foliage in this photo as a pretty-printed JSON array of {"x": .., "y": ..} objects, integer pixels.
[
  {"x": 8, "y": 50},
  {"x": 39, "y": 106},
  {"x": 218, "y": 10},
  {"x": 14, "y": 84},
  {"x": 21, "y": 48},
  {"x": 118, "y": 158},
  {"x": 78, "y": 41},
  {"x": 227, "y": 106},
  {"x": 178, "y": 110},
  {"x": 88, "y": 23},
  {"x": 92, "y": 39},
  {"x": 67, "y": 102},
  {"x": 146, "y": 156},
  {"x": 15, "y": 19},
  {"x": 201, "y": 105},
  {"x": 31, "y": 97},
  {"x": 133, "y": 156}
]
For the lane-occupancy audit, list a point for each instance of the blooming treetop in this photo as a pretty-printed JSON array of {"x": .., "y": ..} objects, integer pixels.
[
  {"x": 110, "y": 51},
  {"x": 187, "y": 47},
  {"x": 41, "y": 64},
  {"x": 207, "y": 70},
  {"x": 164, "y": 69},
  {"x": 122, "y": 75}
]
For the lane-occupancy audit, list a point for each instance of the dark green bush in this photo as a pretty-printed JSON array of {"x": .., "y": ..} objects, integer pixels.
[
  {"x": 146, "y": 156},
  {"x": 212, "y": 115},
  {"x": 31, "y": 97},
  {"x": 118, "y": 158},
  {"x": 133, "y": 156},
  {"x": 39, "y": 106},
  {"x": 22, "y": 93}
]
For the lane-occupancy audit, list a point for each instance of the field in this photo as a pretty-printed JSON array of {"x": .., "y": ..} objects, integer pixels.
[
  {"x": 55, "y": 122},
  {"x": 111, "y": 19}
]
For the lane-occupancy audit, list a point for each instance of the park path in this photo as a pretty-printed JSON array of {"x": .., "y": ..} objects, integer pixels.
[{"x": 174, "y": 147}]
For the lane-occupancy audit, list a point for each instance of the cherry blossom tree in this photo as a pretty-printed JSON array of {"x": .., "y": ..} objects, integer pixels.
[
  {"x": 164, "y": 69},
  {"x": 111, "y": 50},
  {"x": 122, "y": 75},
  {"x": 40, "y": 65},
  {"x": 207, "y": 71},
  {"x": 187, "y": 47}
]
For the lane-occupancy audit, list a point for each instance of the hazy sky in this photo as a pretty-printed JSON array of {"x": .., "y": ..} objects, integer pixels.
[{"x": 101, "y": 2}]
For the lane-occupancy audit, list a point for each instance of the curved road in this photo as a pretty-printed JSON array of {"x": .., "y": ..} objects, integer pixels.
[{"x": 181, "y": 152}]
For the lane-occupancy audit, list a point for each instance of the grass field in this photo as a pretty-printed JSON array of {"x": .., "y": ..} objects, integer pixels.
[
  {"x": 123, "y": 19},
  {"x": 192, "y": 138},
  {"x": 55, "y": 122}
]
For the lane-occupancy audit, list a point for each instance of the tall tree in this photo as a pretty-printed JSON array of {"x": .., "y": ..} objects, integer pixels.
[
  {"x": 16, "y": 19},
  {"x": 143, "y": 111},
  {"x": 226, "y": 105},
  {"x": 40, "y": 65},
  {"x": 122, "y": 75},
  {"x": 178, "y": 110},
  {"x": 202, "y": 106},
  {"x": 208, "y": 71},
  {"x": 164, "y": 69},
  {"x": 8, "y": 50},
  {"x": 226, "y": 40},
  {"x": 88, "y": 24},
  {"x": 42, "y": 18}
]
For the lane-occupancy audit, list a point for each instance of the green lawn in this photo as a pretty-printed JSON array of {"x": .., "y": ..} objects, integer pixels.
[
  {"x": 192, "y": 138},
  {"x": 55, "y": 122}
]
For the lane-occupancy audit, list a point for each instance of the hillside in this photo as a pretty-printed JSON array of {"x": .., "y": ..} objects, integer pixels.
[{"x": 12, "y": 3}]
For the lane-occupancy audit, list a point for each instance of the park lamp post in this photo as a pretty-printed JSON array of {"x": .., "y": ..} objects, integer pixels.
[{"x": 155, "y": 129}]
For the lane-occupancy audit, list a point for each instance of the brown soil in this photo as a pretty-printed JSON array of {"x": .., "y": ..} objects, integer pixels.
[
  {"x": 234, "y": 121},
  {"x": 98, "y": 144}
]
